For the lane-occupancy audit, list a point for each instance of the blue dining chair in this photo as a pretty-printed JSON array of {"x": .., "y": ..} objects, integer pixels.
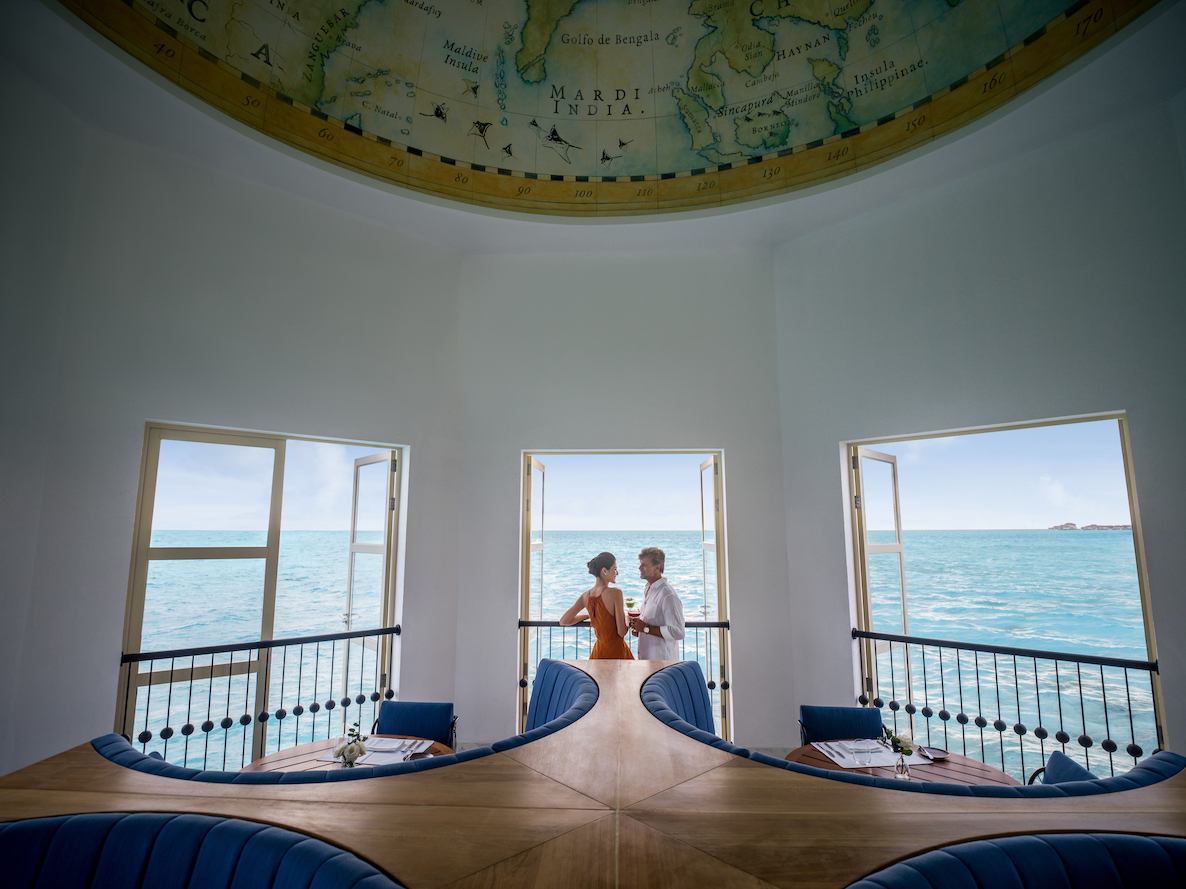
[
  {"x": 838, "y": 723},
  {"x": 418, "y": 718}
]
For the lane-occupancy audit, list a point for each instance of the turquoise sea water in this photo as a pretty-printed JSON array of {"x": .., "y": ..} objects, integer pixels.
[
  {"x": 1071, "y": 591},
  {"x": 1053, "y": 590},
  {"x": 1068, "y": 591}
]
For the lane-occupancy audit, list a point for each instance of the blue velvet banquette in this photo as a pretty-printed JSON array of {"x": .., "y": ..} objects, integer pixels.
[
  {"x": 678, "y": 696},
  {"x": 152, "y": 850},
  {"x": 1042, "y": 861},
  {"x": 560, "y": 695}
]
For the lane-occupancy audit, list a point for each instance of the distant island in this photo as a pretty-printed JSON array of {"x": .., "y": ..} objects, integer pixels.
[{"x": 1071, "y": 526}]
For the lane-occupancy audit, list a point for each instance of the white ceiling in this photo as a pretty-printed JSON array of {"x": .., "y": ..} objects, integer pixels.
[{"x": 110, "y": 91}]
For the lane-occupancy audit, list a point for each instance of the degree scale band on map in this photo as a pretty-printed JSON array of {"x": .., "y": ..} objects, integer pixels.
[{"x": 503, "y": 89}]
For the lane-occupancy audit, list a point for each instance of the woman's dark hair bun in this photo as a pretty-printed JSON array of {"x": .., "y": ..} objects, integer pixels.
[{"x": 600, "y": 562}]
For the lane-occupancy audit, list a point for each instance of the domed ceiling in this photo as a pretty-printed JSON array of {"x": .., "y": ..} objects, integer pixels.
[{"x": 606, "y": 107}]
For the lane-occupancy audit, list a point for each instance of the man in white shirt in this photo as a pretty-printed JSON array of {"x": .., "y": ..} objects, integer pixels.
[{"x": 660, "y": 625}]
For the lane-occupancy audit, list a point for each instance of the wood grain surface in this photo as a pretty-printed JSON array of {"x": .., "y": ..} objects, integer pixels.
[{"x": 616, "y": 799}]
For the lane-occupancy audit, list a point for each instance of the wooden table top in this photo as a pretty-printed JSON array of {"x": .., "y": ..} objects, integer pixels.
[
  {"x": 956, "y": 769},
  {"x": 304, "y": 757},
  {"x": 617, "y": 799}
]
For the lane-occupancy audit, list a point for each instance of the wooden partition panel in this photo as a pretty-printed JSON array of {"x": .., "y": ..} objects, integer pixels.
[{"x": 616, "y": 799}]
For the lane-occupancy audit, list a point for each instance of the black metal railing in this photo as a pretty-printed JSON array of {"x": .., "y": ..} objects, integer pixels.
[
  {"x": 221, "y": 706},
  {"x": 1013, "y": 705},
  {"x": 704, "y": 641}
]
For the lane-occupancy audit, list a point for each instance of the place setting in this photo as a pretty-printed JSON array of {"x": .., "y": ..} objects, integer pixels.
[{"x": 864, "y": 753}]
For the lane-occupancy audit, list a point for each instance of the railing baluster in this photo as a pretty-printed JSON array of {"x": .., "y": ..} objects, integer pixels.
[
  {"x": 1107, "y": 726},
  {"x": 1040, "y": 731},
  {"x": 998, "y": 722},
  {"x": 942, "y": 699},
  {"x": 1046, "y": 671},
  {"x": 962, "y": 719},
  {"x": 1132, "y": 729},
  {"x": 169, "y": 710},
  {"x": 147, "y": 707},
  {"x": 208, "y": 724},
  {"x": 980, "y": 711},
  {"x": 1019, "y": 727},
  {"x": 1061, "y": 722}
]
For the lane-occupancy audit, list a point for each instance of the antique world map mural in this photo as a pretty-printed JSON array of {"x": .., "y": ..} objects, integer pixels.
[{"x": 606, "y": 107}]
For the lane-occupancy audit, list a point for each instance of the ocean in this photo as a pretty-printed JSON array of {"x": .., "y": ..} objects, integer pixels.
[{"x": 1070, "y": 591}]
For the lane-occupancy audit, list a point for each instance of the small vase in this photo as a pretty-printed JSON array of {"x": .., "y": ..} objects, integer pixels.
[{"x": 901, "y": 769}]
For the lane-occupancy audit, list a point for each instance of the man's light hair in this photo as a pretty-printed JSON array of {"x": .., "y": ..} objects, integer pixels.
[{"x": 654, "y": 555}]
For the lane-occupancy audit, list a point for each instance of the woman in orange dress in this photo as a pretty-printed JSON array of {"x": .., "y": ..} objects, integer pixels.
[{"x": 606, "y": 611}]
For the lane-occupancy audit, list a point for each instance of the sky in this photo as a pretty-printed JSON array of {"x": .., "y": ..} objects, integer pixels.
[
  {"x": 1022, "y": 478},
  {"x": 207, "y": 487},
  {"x": 622, "y": 492},
  {"x": 1016, "y": 478}
]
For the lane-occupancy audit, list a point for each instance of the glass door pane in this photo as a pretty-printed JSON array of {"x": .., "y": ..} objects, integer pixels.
[
  {"x": 190, "y": 603},
  {"x": 371, "y": 505},
  {"x": 878, "y": 500},
  {"x": 708, "y": 540},
  {"x": 366, "y": 581},
  {"x": 536, "y": 544},
  {"x": 211, "y": 495},
  {"x": 885, "y": 593}
]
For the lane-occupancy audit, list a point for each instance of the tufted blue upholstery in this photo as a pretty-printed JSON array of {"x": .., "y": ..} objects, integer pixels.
[
  {"x": 678, "y": 697},
  {"x": 839, "y": 723},
  {"x": 1044, "y": 861},
  {"x": 117, "y": 749},
  {"x": 1156, "y": 768},
  {"x": 1060, "y": 769},
  {"x": 421, "y": 719},
  {"x": 560, "y": 696},
  {"x": 170, "y": 851}
]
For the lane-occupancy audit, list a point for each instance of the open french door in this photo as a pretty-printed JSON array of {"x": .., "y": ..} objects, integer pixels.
[
  {"x": 713, "y": 607},
  {"x": 531, "y": 605},
  {"x": 877, "y": 524},
  {"x": 370, "y": 596}
]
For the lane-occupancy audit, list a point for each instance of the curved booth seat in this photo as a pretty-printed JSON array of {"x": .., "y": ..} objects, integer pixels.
[
  {"x": 678, "y": 697},
  {"x": 1042, "y": 861},
  {"x": 117, "y": 749},
  {"x": 153, "y": 850},
  {"x": 562, "y": 694},
  {"x": 1156, "y": 768}
]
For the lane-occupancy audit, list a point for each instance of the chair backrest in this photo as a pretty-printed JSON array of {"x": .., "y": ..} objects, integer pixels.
[
  {"x": 420, "y": 718},
  {"x": 839, "y": 723}
]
